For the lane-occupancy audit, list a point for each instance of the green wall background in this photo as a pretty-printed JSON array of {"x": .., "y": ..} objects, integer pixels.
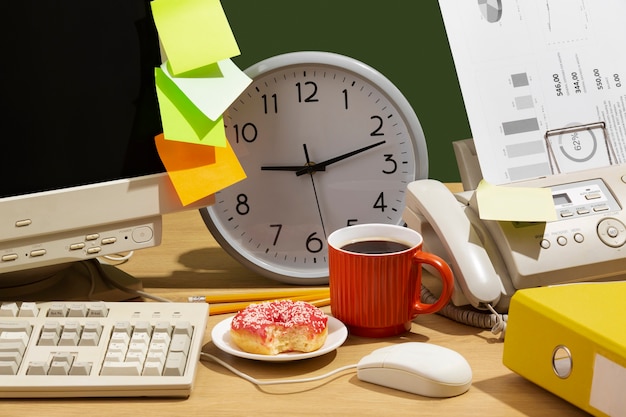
[{"x": 403, "y": 39}]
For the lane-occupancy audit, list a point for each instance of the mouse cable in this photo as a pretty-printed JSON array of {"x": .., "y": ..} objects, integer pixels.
[{"x": 274, "y": 381}]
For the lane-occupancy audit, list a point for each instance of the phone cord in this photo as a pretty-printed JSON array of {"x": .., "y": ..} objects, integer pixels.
[{"x": 494, "y": 321}]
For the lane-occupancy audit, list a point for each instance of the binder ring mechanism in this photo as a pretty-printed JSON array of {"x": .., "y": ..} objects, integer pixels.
[{"x": 554, "y": 165}]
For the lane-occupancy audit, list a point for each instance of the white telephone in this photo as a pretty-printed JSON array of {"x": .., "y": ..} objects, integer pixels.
[{"x": 491, "y": 259}]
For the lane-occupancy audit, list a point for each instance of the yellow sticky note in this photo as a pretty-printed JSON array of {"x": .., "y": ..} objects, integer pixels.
[
  {"x": 197, "y": 171},
  {"x": 214, "y": 90},
  {"x": 194, "y": 33},
  {"x": 182, "y": 120},
  {"x": 522, "y": 204}
]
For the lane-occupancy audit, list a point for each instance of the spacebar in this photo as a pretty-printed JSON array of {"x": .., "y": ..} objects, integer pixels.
[{"x": 121, "y": 369}]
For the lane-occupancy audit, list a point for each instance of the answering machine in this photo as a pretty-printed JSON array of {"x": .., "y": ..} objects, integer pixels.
[{"x": 492, "y": 259}]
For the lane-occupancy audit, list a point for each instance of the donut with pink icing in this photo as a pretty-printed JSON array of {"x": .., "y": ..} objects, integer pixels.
[{"x": 274, "y": 327}]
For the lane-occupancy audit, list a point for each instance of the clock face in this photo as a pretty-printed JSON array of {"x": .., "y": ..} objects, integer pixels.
[{"x": 323, "y": 147}]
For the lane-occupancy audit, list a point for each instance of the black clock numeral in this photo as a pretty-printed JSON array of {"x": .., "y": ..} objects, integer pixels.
[
  {"x": 278, "y": 227},
  {"x": 345, "y": 99},
  {"x": 314, "y": 244},
  {"x": 377, "y": 130},
  {"x": 350, "y": 222},
  {"x": 248, "y": 132},
  {"x": 389, "y": 158},
  {"x": 268, "y": 103},
  {"x": 311, "y": 97},
  {"x": 380, "y": 202},
  {"x": 242, "y": 204}
]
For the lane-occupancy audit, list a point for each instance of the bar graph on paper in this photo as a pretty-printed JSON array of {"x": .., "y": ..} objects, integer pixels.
[{"x": 527, "y": 68}]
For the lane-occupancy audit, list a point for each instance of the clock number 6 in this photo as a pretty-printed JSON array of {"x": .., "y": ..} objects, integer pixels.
[{"x": 314, "y": 244}]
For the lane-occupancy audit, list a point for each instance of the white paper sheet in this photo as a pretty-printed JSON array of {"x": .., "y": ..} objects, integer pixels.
[{"x": 530, "y": 66}]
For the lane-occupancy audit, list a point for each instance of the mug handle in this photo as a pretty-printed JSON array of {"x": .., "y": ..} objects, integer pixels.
[{"x": 445, "y": 274}]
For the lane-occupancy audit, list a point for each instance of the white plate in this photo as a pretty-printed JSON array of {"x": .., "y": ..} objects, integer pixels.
[{"x": 337, "y": 334}]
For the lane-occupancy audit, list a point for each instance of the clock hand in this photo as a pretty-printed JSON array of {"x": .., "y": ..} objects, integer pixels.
[
  {"x": 317, "y": 201},
  {"x": 288, "y": 168},
  {"x": 321, "y": 166}
]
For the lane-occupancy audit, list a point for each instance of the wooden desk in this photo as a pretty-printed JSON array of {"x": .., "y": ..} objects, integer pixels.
[{"x": 189, "y": 261}]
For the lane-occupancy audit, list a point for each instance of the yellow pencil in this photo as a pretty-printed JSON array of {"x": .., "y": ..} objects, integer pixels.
[
  {"x": 224, "y": 308},
  {"x": 261, "y": 295}
]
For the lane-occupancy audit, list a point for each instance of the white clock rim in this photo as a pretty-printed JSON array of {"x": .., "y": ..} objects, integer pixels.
[{"x": 294, "y": 276}]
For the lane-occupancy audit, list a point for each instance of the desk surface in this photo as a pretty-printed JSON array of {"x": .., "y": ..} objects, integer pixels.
[{"x": 189, "y": 262}]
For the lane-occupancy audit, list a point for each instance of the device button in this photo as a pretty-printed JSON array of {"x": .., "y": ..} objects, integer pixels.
[
  {"x": 612, "y": 232},
  {"x": 593, "y": 196},
  {"x": 600, "y": 208},
  {"x": 142, "y": 234},
  {"x": 579, "y": 238},
  {"x": 93, "y": 250},
  {"x": 566, "y": 213},
  {"x": 37, "y": 252},
  {"x": 108, "y": 240},
  {"x": 22, "y": 223},
  {"x": 561, "y": 240},
  {"x": 92, "y": 236},
  {"x": 77, "y": 246},
  {"x": 9, "y": 257},
  {"x": 545, "y": 243}
]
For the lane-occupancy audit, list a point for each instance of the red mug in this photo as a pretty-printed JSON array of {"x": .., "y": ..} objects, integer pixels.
[{"x": 375, "y": 277}]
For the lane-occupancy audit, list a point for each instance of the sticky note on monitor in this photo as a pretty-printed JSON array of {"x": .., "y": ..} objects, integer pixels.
[
  {"x": 182, "y": 120},
  {"x": 194, "y": 33},
  {"x": 197, "y": 171},
  {"x": 211, "y": 89}
]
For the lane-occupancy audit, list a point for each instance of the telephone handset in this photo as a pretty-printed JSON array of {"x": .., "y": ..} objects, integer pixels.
[
  {"x": 491, "y": 259},
  {"x": 441, "y": 217}
]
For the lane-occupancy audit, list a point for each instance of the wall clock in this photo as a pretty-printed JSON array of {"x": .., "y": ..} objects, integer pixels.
[{"x": 326, "y": 141}]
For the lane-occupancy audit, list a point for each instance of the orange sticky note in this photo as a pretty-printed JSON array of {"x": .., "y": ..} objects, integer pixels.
[{"x": 197, "y": 171}]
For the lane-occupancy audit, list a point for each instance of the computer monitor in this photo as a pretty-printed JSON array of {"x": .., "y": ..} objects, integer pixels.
[{"x": 80, "y": 176}]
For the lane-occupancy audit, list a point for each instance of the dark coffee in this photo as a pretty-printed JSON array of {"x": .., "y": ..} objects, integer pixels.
[{"x": 375, "y": 246}]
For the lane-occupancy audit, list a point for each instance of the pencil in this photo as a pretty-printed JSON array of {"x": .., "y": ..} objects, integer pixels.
[
  {"x": 260, "y": 295},
  {"x": 224, "y": 308}
]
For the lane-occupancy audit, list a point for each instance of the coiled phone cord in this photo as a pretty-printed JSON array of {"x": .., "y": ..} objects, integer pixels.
[{"x": 494, "y": 321}]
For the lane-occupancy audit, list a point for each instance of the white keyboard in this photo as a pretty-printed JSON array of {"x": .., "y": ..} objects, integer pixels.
[{"x": 99, "y": 349}]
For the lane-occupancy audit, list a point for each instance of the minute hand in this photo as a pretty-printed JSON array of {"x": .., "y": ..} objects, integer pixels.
[{"x": 322, "y": 165}]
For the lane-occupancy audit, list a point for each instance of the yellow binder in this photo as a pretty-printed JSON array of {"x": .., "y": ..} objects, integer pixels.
[{"x": 571, "y": 340}]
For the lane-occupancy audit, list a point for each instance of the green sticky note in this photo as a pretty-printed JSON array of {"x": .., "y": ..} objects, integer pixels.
[
  {"x": 182, "y": 120},
  {"x": 213, "y": 90},
  {"x": 194, "y": 33}
]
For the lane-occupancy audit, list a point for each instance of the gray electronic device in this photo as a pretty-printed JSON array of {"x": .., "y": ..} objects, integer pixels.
[{"x": 492, "y": 259}]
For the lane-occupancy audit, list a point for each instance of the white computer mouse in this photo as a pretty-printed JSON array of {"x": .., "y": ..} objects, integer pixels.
[{"x": 420, "y": 368}]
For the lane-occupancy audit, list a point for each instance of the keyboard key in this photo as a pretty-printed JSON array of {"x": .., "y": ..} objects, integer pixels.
[
  {"x": 9, "y": 309},
  {"x": 175, "y": 364},
  {"x": 121, "y": 369},
  {"x": 8, "y": 368},
  {"x": 28, "y": 310},
  {"x": 57, "y": 310},
  {"x": 38, "y": 368},
  {"x": 77, "y": 310},
  {"x": 98, "y": 310},
  {"x": 81, "y": 368}
]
